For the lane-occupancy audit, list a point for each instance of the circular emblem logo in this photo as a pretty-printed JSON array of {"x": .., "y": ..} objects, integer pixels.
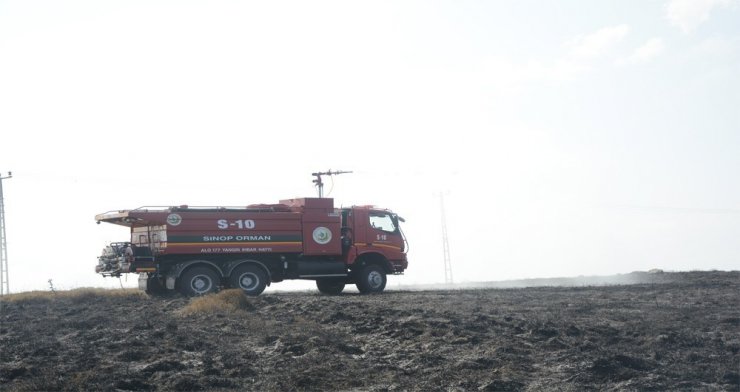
[
  {"x": 174, "y": 219},
  {"x": 322, "y": 235}
]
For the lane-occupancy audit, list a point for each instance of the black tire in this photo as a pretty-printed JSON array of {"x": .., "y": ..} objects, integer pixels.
[
  {"x": 198, "y": 281},
  {"x": 251, "y": 278},
  {"x": 330, "y": 286},
  {"x": 371, "y": 279},
  {"x": 154, "y": 287}
]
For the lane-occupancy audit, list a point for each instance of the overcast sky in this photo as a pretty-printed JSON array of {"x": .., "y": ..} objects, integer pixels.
[{"x": 569, "y": 137}]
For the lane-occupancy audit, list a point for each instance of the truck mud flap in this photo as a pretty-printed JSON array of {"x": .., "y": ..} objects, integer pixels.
[{"x": 143, "y": 282}]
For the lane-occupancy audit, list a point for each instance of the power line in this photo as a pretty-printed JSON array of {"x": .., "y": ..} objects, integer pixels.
[{"x": 4, "y": 279}]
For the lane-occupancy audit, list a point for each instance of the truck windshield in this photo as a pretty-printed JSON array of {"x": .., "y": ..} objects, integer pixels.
[{"x": 382, "y": 221}]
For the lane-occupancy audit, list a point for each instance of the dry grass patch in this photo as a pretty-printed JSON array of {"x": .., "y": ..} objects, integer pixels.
[
  {"x": 75, "y": 294},
  {"x": 226, "y": 301}
]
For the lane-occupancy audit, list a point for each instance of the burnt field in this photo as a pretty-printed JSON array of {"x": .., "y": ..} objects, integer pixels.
[{"x": 680, "y": 333}]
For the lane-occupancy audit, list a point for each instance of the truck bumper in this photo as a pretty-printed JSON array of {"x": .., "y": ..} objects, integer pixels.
[{"x": 399, "y": 266}]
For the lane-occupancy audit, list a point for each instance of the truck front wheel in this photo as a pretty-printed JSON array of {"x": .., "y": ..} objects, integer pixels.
[
  {"x": 250, "y": 278},
  {"x": 198, "y": 281},
  {"x": 330, "y": 286},
  {"x": 371, "y": 279}
]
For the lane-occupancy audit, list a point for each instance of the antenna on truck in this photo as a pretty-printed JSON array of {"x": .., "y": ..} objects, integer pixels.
[{"x": 320, "y": 184}]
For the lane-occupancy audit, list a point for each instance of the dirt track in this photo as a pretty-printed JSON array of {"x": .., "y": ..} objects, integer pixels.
[{"x": 681, "y": 335}]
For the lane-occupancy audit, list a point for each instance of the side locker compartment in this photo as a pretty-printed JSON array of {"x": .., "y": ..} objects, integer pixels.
[
  {"x": 321, "y": 228},
  {"x": 159, "y": 238}
]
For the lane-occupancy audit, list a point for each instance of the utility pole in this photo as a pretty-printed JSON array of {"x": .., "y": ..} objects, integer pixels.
[
  {"x": 4, "y": 280},
  {"x": 320, "y": 184},
  {"x": 445, "y": 242}
]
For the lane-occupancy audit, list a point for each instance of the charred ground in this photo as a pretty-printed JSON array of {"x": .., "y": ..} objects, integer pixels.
[{"x": 680, "y": 333}]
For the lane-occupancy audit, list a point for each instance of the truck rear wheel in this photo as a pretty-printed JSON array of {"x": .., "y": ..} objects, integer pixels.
[
  {"x": 198, "y": 281},
  {"x": 250, "y": 278},
  {"x": 154, "y": 286},
  {"x": 330, "y": 286},
  {"x": 371, "y": 279}
]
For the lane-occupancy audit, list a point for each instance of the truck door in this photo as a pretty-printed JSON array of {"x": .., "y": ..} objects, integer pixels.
[{"x": 383, "y": 231}]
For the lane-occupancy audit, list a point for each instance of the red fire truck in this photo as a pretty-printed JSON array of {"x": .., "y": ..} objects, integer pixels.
[{"x": 197, "y": 250}]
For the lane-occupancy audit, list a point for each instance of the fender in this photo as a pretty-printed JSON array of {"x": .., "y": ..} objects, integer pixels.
[{"x": 372, "y": 257}]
